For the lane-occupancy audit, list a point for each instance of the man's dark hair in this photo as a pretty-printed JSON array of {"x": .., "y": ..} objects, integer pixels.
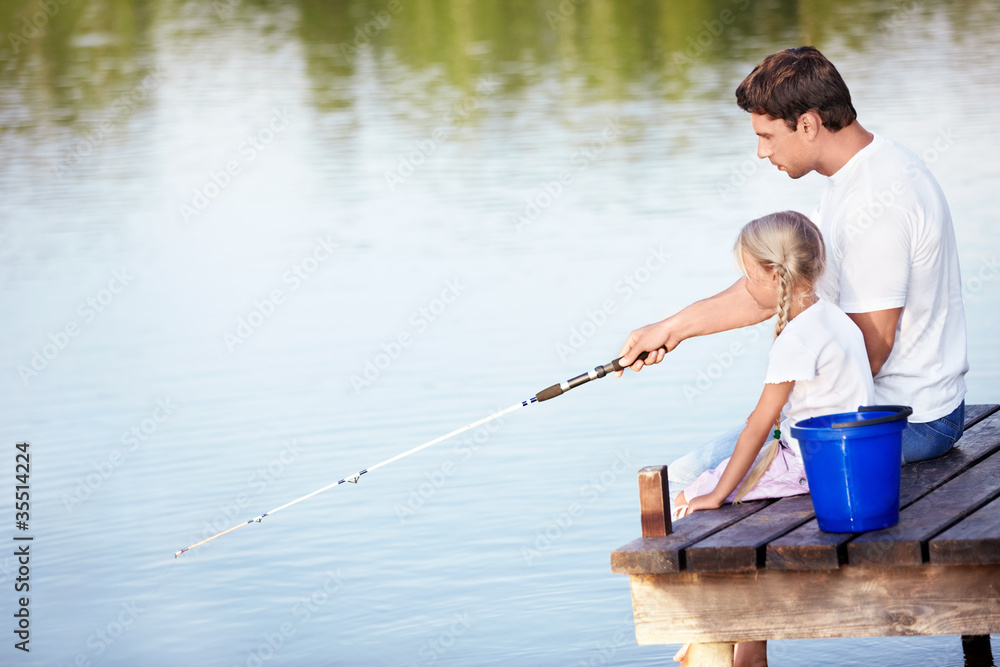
[{"x": 791, "y": 82}]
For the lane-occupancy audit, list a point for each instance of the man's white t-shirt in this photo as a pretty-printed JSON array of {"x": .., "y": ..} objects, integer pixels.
[
  {"x": 890, "y": 244},
  {"x": 823, "y": 352}
]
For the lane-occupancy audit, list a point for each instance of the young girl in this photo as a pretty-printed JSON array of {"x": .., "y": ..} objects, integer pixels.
[{"x": 817, "y": 365}]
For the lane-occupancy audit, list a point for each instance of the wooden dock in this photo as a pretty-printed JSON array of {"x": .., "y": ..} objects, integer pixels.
[{"x": 764, "y": 569}]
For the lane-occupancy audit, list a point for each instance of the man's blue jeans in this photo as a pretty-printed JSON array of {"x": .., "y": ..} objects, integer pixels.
[
  {"x": 930, "y": 439},
  {"x": 920, "y": 442}
]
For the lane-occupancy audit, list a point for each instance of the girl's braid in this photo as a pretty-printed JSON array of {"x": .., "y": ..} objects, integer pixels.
[{"x": 784, "y": 299}]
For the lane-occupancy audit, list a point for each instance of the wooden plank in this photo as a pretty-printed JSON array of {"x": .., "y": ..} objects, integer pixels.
[
  {"x": 906, "y": 542},
  {"x": 973, "y": 541},
  {"x": 741, "y": 547},
  {"x": 654, "y": 501},
  {"x": 656, "y": 555},
  {"x": 847, "y": 602},
  {"x": 809, "y": 548},
  {"x": 977, "y": 413}
]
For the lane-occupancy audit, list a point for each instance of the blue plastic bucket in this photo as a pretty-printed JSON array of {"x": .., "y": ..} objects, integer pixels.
[{"x": 852, "y": 462}]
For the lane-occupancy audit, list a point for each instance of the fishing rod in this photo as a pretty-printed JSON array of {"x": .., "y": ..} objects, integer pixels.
[{"x": 543, "y": 395}]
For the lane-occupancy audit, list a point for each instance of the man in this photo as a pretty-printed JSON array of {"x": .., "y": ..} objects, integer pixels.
[{"x": 892, "y": 259}]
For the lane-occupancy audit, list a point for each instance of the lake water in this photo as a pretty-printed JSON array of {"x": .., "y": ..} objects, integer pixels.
[{"x": 247, "y": 248}]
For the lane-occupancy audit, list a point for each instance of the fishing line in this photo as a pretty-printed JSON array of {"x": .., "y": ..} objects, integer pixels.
[
  {"x": 543, "y": 395},
  {"x": 140, "y": 610}
]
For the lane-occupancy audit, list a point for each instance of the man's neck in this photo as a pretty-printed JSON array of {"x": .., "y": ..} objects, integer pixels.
[{"x": 841, "y": 146}]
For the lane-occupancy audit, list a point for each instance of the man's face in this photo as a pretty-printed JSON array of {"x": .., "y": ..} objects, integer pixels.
[{"x": 789, "y": 151}]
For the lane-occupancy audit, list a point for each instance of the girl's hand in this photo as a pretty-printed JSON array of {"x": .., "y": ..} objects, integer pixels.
[{"x": 706, "y": 502}]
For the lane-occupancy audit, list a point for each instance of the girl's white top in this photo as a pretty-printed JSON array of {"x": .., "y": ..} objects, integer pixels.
[{"x": 823, "y": 352}]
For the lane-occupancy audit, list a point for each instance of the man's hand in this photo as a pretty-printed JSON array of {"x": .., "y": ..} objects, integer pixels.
[{"x": 652, "y": 338}]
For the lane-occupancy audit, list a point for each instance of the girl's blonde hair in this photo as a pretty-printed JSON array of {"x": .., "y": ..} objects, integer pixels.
[{"x": 790, "y": 244}]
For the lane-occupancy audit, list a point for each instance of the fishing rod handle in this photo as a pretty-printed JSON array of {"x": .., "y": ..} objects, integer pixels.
[
  {"x": 615, "y": 365},
  {"x": 599, "y": 372}
]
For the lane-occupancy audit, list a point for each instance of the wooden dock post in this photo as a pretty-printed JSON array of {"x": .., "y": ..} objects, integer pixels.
[
  {"x": 654, "y": 502},
  {"x": 654, "y": 509},
  {"x": 977, "y": 650}
]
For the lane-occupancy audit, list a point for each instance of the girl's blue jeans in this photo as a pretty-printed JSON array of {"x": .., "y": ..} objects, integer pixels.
[{"x": 920, "y": 441}]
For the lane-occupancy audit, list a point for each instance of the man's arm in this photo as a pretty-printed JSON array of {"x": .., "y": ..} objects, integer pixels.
[
  {"x": 879, "y": 329},
  {"x": 730, "y": 309}
]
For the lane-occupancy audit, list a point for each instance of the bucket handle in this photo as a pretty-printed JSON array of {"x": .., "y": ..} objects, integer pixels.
[{"x": 902, "y": 412}]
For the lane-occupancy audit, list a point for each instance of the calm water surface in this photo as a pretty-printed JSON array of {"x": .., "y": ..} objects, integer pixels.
[{"x": 248, "y": 248}]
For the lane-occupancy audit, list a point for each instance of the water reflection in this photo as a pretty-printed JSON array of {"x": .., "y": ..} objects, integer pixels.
[
  {"x": 118, "y": 115},
  {"x": 67, "y": 56},
  {"x": 86, "y": 53}
]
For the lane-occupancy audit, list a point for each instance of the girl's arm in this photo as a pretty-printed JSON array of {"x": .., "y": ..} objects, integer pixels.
[{"x": 753, "y": 437}]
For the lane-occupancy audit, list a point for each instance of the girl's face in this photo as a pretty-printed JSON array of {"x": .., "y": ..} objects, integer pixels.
[{"x": 761, "y": 282}]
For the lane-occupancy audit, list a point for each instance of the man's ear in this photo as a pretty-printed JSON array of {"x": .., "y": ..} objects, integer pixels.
[{"x": 809, "y": 123}]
